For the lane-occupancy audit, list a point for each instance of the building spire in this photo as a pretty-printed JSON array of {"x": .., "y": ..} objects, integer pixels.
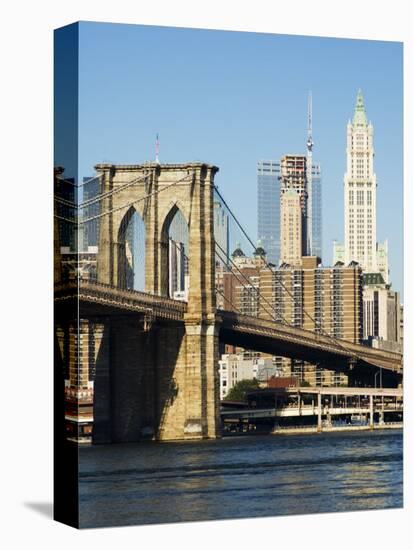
[{"x": 360, "y": 117}]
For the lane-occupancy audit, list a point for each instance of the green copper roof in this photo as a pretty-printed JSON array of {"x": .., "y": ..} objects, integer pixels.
[
  {"x": 373, "y": 279},
  {"x": 360, "y": 117},
  {"x": 238, "y": 252}
]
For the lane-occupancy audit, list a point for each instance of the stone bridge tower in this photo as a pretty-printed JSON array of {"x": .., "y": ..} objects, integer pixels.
[{"x": 177, "y": 365}]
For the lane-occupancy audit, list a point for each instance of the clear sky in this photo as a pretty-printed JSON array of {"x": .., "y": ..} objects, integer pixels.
[{"x": 232, "y": 98}]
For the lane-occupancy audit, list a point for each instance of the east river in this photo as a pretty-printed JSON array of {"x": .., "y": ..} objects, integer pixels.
[{"x": 239, "y": 477}]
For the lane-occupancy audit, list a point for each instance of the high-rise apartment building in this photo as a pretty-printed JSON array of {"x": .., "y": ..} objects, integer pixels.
[
  {"x": 239, "y": 289},
  {"x": 327, "y": 300},
  {"x": 321, "y": 299}
]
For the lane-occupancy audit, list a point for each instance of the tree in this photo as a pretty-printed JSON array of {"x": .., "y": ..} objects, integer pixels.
[{"x": 237, "y": 392}]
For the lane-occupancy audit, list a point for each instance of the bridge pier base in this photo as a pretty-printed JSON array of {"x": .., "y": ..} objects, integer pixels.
[
  {"x": 201, "y": 379},
  {"x": 194, "y": 413},
  {"x": 158, "y": 382}
]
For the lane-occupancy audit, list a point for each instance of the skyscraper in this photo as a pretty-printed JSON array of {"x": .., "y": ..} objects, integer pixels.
[
  {"x": 293, "y": 207},
  {"x": 221, "y": 232},
  {"x": 268, "y": 173},
  {"x": 360, "y": 242},
  {"x": 315, "y": 232},
  {"x": 360, "y": 192},
  {"x": 91, "y": 190},
  {"x": 269, "y": 195}
]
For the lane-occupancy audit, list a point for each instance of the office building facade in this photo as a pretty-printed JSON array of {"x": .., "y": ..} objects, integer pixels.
[
  {"x": 381, "y": 314},
  {"x": 269, "y": 185}
]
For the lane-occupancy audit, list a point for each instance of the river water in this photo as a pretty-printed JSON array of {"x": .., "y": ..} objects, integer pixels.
[{"x": 239, "y": 477}]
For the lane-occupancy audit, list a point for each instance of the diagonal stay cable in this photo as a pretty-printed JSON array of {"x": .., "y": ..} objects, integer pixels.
[
  {"x": 249, "y": 283},
  {"x": 255, "y": 289},
  {"x": 229, "y": 301},
  {"x": 127, "y": 205},
  {"x": 332, "y": 338},
  {"x": 244, "y": 286},
  {"x": 101, "y": 197},
  {"x": 80, "y": 184}
]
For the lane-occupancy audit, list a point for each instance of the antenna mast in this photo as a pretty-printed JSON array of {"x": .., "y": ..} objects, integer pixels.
[
  {"x": 310, "y": 144},
  {"x": 157, "y": 149}
]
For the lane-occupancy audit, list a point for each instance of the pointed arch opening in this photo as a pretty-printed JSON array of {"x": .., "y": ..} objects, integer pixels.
[
  {"x": 175, "y": 237},
  {"x": 131, "y": 251}
]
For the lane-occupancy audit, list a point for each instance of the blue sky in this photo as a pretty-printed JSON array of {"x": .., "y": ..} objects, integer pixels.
[{"x": 231, "y": 99}]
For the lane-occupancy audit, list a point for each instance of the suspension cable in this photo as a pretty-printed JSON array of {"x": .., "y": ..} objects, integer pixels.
[
  {"x": 80, "y": 184},
  {"x": 157, "y": 192},
  {"x": 226, "y": 299},
  {"x": 102, "y": 196},
  {"x": 256, "y": 289},
  {"x": 259, "y": 295},
  {"x": 335, "y": 340}
]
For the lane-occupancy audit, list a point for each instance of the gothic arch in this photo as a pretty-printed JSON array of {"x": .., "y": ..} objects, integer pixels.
[
  {"x": 175, "y": 253},
  {"x": 131, "y": 251},
  {"x": 172, "y": 207}
]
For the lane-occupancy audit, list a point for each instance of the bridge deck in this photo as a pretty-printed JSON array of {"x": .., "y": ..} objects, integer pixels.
[{"x": 241, "y": 330}]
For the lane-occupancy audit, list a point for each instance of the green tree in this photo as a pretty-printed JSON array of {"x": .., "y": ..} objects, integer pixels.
[{"x": 237, "y": 392}]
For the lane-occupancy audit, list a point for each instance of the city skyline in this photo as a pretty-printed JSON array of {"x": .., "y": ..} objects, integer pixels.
[
  {"x": 164, "y": 299},
  {"x": 238, "y": 98}
]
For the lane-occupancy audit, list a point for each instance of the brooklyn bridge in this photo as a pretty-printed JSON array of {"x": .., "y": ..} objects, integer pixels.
[{"x": 144, "y": 362}]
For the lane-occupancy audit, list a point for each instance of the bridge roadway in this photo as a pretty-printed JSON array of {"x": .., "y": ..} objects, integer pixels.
[{"x": 241, "y": 330}]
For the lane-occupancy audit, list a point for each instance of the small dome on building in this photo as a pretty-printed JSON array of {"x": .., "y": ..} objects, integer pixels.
[
  {"x": 238, "y": 253},
  {"x": 259, "y": 251}
]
